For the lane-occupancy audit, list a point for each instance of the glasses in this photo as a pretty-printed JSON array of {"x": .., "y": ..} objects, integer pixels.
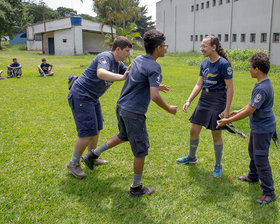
[{"x": 165, "y": 46}]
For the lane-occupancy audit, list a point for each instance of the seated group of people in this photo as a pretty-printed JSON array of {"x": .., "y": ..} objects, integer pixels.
[{"x": 14, "y": 69}]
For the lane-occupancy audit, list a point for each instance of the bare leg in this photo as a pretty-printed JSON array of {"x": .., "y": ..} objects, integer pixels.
[
  {"x": 195, "y": 131},
  {"x": 112, "y": 142},
  {"x": 93, "y": 143},
  {"x": 139, "y": 165},
  {"x": 82, "y": 143},
  {"x": 50, "y": 74},
  {"x": 217, "y": 137}
]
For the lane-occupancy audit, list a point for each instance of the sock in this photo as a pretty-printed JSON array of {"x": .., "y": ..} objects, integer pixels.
[
  {"x": 218, "y": 153},
  {"x": 75, "y": 158},
  {"x": 101, "y": 149},
  {"x": 137, "y": 178},
  {"x": 193, "y": 147}
]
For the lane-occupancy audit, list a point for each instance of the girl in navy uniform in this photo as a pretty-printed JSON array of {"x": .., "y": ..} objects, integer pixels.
[
  {"x": 263, "y": 126},
  {"x": 215, "y": 81}
]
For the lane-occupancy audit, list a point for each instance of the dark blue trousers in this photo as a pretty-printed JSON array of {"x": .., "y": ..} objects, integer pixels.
[{"x": 259, "y": 165}]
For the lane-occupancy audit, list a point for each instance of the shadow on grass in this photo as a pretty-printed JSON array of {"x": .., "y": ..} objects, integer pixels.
[{"x": 105, "y": 197}]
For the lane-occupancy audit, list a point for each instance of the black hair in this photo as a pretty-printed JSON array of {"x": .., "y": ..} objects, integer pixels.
[
  {"x": 44, "y": 59},
  {"x": 14, "y": 59},
  {"x": 261, "y": 61},
  {"x": 121, "y": 42},
  {"x": 152, "y": 39},
  {"x": 215, "y": 41}
]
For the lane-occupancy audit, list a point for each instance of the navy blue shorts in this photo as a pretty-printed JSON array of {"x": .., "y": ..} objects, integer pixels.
[
  {"x": 87, "y": 113},
  {"x": 132, "y": 128}
]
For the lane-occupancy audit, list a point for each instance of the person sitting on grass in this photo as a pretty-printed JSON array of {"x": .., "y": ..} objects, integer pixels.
[
  {"x": 263, "y": 126},
  {"x": 45, "y": 68},
  {"x": 14, "y": 69},
  {"x": 142, "y": 85}
]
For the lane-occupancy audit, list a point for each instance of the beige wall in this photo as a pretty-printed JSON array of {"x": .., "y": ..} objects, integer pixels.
[{"x": 93, "y": 42}]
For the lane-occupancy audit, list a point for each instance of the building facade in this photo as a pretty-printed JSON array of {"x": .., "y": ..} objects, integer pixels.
[
  {"x": 67, "y": 36},
  {"x": 237, "y": 23}
]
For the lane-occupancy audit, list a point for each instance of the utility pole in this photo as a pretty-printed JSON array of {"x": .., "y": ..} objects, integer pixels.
[{"x": 270, "y": 29}]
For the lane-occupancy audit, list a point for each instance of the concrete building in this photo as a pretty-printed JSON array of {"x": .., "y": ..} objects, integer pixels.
[
  {"x": 238, "y": 24},
  {"x": 67, "y": 36}
]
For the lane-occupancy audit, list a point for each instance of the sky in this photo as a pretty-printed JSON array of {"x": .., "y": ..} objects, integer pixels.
[{"x": 86, "y": 6}]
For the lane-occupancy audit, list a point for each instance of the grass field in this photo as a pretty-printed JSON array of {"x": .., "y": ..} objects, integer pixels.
[{"x": 37, "y": 133}]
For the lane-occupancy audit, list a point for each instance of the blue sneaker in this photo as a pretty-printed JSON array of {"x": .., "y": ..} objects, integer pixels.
[
  {"x": 186, "y": 160},
  {"x": 218, "y": 171}
]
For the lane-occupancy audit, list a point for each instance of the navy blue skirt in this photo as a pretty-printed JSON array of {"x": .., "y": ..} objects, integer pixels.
[{"x": 209, "y": 106}]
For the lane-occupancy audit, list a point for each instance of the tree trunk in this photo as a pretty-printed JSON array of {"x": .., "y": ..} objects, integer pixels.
[{"x": 0, "y": 43}]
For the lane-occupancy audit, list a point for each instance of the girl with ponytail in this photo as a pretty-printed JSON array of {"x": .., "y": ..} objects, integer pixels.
[{"x": 215, "y": 81}]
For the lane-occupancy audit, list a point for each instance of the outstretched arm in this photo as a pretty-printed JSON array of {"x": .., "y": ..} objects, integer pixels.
[
  {"x": 244, "y": 112},
  {"x": 155, "y": 96},
  {"x": 197, "y": 88},
  {"x": 110, "y": 76}
]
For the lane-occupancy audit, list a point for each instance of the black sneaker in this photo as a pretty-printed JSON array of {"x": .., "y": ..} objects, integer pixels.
[
  {"x": 89, "y": 158},
  {"x": 266, "y": 199},
  {"x": 141, "y": 190},
  {"x": 71, "y": 80},
  {"x": 247, "y": 179}
]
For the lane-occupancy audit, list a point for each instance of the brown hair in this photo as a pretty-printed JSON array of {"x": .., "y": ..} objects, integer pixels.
[
  {"x": 261, "y": 61},
  {"x": 215, "y": 41},
  {"x": 121, "y": 42}
]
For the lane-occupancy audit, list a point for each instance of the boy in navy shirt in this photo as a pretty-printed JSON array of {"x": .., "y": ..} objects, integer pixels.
[
  {"x": 83, "y": 98},
  {"x": 263, "y": 126},
  {"x": 14, "y": 69},
  {"x": 142, "y": 84},
  {"x": 45, "y": 68}
]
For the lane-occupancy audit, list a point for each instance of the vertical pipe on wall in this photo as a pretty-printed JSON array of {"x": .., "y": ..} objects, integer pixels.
[
  {"x": 270, "y": 29},
  {"x": 194, "y": 12},
  {"x": 231, "y": 21},
  {"x": 175, "y": 27}
]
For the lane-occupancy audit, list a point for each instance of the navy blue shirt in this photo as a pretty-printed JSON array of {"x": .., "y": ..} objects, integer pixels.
[
  {"x": 14, "y": 65},
  {"x": 89, "y": 83},
  {"x": 263, "y": 119},
  {"x": 214, "y": 74},
  {"x": 144, "y": 73},
  {"x": 45, "y": 67}
]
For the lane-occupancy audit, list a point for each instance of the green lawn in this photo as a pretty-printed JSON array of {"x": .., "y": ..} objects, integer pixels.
[{"x": 37, "y": 133}]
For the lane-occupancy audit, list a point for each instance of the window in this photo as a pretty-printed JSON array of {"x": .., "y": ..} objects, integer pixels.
[
  {"x": 196, "y": 38},
  {"x": 197, "y": 7},
  {"x": 276, "y": 37},
  {"x": 64, "y": 40},
  {"x": 253, "y": 37},
  {"x": 234, "y": 37},
  {"x": 235, "y": 0},
  {"x": 213, "y": 3},
  {"x": 202, "y": 5},
  {"x": 201, "y": 37},
  {"x": 227, "y": 1},
  {"x": 207, "y": 4},
  {"x": 192, "y": 8},
  {"x": 206, "y": 35},
  {"x": 226, "y": 38},
  {"x": 219, "y": 37},
  {"x": 220, "y": 2},
  {"x": 263, "y": 37},
  {"x": 243, "y": 37},
  {"x": 38, "y": 37},
  {"x": 191, "y": 37}
]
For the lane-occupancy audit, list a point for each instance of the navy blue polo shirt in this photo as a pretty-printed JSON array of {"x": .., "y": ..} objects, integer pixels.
[
  {"x": 89, "y": 83},
  {"x": 45, "y": 67},
  {"x": 144, "y": 73},
  {"x": 214, "y": 74},
  {"x": 14, "y": 65},
  {"x": 263, "y": 119}
]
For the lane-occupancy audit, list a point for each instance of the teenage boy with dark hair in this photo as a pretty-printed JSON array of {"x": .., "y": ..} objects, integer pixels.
[
  {"x": 14, "y": 69},
  {"x": 142, "y": 84},
  {"x": 45, "y": 68},
  {"x": 83, "y": 98},
  {"x": 263, "y": 126}
]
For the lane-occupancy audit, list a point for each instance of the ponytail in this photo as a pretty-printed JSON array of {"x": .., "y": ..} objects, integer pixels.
[{"x": 215, "y": 41}]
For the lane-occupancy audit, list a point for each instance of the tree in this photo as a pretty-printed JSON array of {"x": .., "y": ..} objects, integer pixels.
[
  {"x": 144, "y": 23},
  {"x": 66, "y": 12},
  {"x": 11, "y": 17}
]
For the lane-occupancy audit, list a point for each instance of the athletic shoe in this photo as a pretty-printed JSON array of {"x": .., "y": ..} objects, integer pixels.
[
  {"x": 186, "y": 160},
  {"x": 71, "y": 80},
  {"x": 141, "y": 190},
  {"x": 88, "y": 159},
  {"x": 247, "y": 179},
  {"x": 18, "y": 77},
  {"x": 98, "y": 162},
  {"x": 76, "y": 170},
  {"x": 266, "y": 199},
  {"x": 218, "y": 171}
]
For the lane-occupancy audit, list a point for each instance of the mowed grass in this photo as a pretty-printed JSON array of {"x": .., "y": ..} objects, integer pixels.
[{"x": 37, "y": 134}]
